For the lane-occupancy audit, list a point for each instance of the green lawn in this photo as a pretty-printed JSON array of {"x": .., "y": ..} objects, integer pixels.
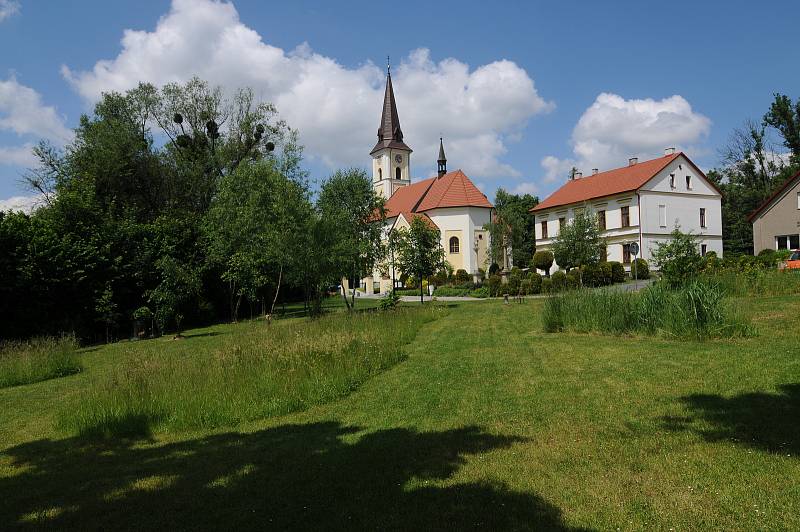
[{"x": 488, "y": 423}]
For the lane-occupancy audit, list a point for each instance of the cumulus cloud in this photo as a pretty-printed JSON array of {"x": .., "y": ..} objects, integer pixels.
[
  {"x": 8, "y": 8},
  {"x": 23, "y": 112},
  {"x": 526, "y": 187},
  {"x": 336, "y": 108},
  {"x": 25, "y": 204},
  {"x": 18, "y": 155},
  {"x": 613, "y": 129}
]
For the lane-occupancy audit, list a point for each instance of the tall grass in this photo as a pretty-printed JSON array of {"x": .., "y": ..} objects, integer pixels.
[
  {"x": 697, "y": 310},
  {"x": 37, "y": 360},
  {"x": 264, "y": 371},
  {"x": 757, "y": 282}
]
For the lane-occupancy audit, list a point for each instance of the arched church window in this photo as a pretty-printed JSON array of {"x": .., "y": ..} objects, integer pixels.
[
  {"x": 453, "y": 244},
  {"x": 397, "y": 174},
  {"x": 380, "y": 173}
]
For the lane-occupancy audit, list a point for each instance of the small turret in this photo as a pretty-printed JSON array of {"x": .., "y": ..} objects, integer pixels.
[{"x": 442, "y": 161}]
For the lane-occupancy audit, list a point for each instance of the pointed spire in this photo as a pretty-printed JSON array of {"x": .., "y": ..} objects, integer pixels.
[
  {"x": 442, "y": 161},
  {"x": 389, "y": 133}
]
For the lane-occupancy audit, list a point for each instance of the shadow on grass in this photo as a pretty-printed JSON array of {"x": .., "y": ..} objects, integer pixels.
[
  {"x": 314, "y": 476},
  {"x": 765, "y": 421}
]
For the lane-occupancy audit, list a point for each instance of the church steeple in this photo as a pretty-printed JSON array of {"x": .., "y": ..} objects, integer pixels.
[
  {"x": 442, "y": 161},
  {"x": 389, "y": 133}
]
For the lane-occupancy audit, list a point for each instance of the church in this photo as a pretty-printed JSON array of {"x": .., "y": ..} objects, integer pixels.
[{"x": 449, "y": 201}]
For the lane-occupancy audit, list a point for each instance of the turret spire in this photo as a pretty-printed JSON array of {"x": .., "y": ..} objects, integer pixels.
[
  {"x": 442, "y": 161},
  {"x": 389, "y": 133}
]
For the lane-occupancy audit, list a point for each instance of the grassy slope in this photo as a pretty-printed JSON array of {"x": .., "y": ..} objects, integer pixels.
[{"x": 488, "y": 423}]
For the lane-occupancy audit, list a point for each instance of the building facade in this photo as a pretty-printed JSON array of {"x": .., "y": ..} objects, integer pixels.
[
  {"x": 642, "y": 202},
  {"x": 776, "y": 223},
  {"x": 449, "y": 201}
]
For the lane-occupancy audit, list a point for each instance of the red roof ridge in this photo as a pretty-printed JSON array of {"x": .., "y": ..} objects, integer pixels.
[{"x": 626, "y": 179}]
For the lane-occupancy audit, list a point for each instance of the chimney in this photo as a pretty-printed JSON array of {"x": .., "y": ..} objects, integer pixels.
[
  {"x": 577, "y": 175},
  {"x": 595, "y": 171},
  {"x": 669, "y": 151},
  {"x": 632, "y": 161}
]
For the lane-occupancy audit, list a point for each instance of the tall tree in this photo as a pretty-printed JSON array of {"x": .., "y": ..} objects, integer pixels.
[
  {"x": 784, "y": 116},
  {"x": 578, "y": 243},
  {"x": 513, "y": 226},
  {"x": 350, "y": 208},
  {"x": 418, "y": 251}
]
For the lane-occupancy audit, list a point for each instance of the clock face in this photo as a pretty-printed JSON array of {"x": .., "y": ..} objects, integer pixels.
[{"x": 398, "y": 159}]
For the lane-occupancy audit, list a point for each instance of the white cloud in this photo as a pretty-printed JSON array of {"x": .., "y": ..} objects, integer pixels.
[
  {"x": 21, "y": 203},
  {"x": 335, "y": 108},
  {"x": 23, "y": 112},
  {"x": 18, "y": 155},
  {"x": 526, "y": 187},
  {"x": 8, "y": 8},
  {"x": 613, "y": 129}
]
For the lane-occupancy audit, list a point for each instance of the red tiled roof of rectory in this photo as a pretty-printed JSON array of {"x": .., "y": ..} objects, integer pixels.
[
  {"x": 625, "y": 179},
  {"x": 453, "y": 189}
]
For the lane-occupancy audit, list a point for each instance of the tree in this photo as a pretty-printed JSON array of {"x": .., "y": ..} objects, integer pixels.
[
  {"x": 180, "y": 283},
  {"x": 419, "y": 251},
  {"x": 578, "y": 243},
  {"x": 785, "y": 117},
  {"x": 543, "y": 260},
  {"x": 254, "y": 230},
  {"x": 751, "y": 171},
  {"x": 513, "y": 225},
  {"x": 677, "y": 258},
  {"x": 354, "y": 213}
]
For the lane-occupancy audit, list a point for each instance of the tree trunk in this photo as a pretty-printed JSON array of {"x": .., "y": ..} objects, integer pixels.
[
  {"x": 236, "y": 309},
  {"x": 277, "y": 289},
  {"x": 421, "y": 293}
]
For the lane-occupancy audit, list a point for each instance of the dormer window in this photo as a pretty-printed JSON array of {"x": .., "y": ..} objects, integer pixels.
[{"x": 688, "y": 182}]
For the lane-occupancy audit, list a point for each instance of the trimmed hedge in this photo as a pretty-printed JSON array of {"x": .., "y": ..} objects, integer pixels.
[{"x": 559, "y": 279}]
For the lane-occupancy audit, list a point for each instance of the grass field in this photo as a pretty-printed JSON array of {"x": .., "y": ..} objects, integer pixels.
[{"x": 488, "y": 423}]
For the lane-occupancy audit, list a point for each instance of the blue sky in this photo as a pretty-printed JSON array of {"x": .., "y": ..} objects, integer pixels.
[{"x": 521, "y": 91}]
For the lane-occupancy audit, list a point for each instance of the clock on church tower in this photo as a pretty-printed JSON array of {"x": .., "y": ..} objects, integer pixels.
[{"x": 391, "y": 156}]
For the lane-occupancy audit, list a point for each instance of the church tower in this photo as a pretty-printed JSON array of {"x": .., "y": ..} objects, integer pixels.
[{"x": 391, "y": 157}]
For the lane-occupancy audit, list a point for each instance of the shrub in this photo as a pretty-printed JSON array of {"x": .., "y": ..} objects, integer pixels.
[
  {"x": 526, "y": 287},
  {"x": 495, "y": 281},
  {"x": 463, "y": 277},
  {"x": 592, "y": 275},
  {"x": 481, "y": 292},
  {"x": 451, "y": 291},
  {"x": 389, "y": 301},
  {"x": 606, "y": 273},
  {"x": 618, "y": 271},
  {"x": 514, "y": 281},
  {"x": 642, "y": 269},
  {"x": 696, "y": 310},
  {"x": 536, "y": 282},
  {"x": 547, "y": 285},
  {"x": 37, "y": 360},
  {"x": 574, "y": 278},
  {"x": 559, "y": 280},
  {"x": 543, "y": 260}
]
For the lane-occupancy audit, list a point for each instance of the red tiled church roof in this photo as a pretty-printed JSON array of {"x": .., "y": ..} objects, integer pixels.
[
  {"x": 409, "y": 216},
  {"x": 617, "y": 181},
  {"x": 453, "y": 189}
]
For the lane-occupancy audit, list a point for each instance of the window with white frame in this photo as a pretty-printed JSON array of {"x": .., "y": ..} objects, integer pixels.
[
  {"x": 688, "y": 182},
  {"x": 702, "y": 217},
  {"x": 787, "y": 242},
  {"x": 662, "y": 215},
  {"x": 672, "y": 180},
  {"x": 798, "y": 200}
]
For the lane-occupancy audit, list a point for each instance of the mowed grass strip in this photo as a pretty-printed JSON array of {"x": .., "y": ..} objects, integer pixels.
[
  {"x": 488, "y": 423},
  {"x": 264, "y": 371},
  {"x": 37, "y": 360}
]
